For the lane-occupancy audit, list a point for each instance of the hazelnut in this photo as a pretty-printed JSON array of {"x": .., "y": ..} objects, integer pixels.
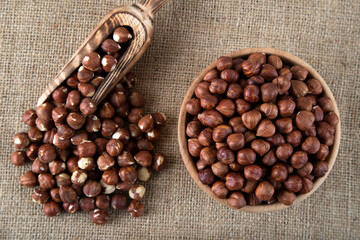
[
  {"x": 21, "y": 140},
  {"x": 92, "y": 188},
  {"x": 212, "y": 74},
  {"x": 99, "y": 216},
  {"x": 249, "y": 137},
  {"x": 251, "y": 119},
  {"x": 73, "y": 99},
  {"x": 234, "y": 91},
  {"x": 229, "y": 75},
  {"x": 29, "y": 117},
  {"x": 75, "y": 120},
  {"x": 305, "y": 170},
  {"x": 110, "y": 46},
  {"x": 135, "y": 115},
  {"x": 269, "y": 158},
  {"x": 332, "y": 119},
  {"x": 44, "y": 111},
  {"x": 299, "y": 72},
  {"x": 63, "y": 154},
  {"x": 265, "y": 129},
  {"x": 208, "y": 101},
  {"x": 87, "y": 204},
  {"x": 320, "y": 168},
  {"x": 276, "y": 140},
  {"x": 202, "y": 89},
  {"x": 275, "y": 61},
  {"x": 117, "y": 98},
  {"x": 226, "y": 107},
  {"x": 128, "y": 174},
  {"x": 125, "y": 159},
  {"x": 72, "y": 81},
  {"x": 40, "y": 196},
  {"x": 108, "y": 63},
  {"x": 46, "y": 181},
  {"x": 253, "y": 200},
  {"x": 122, "y": 134},
  {"x": 223, "y": 63},
  {"x": 144, "y": 144},
  {"x": 79, "y": 177},
  {"x": 249, "y": 186},
  {"x": 250, "y": 67},
  {"x": 260, "y": 146},
  {"x": 72, "y": 164},
  {"x": 225, "y": 155},
  {"x": 221, "y": 132},
  {"x": 252, "y": 172},
  {"x": 304, "y": 103},
  {"x": 105, "y": 161},
  {"x": 299, "y": 159},
  {"x": 286, "y": 197},
  {"x": 42, "y": 125},
  {"x": 237, "y": 125},
  {"x": 119, "y": 121},
  {"x": 118, "y": 202},
  {"x": 298, "y": 88},
  {"x": 137, "y": 192},
  {"x": 219, "y": 169},
  {"x": 135, "y": 208},
  {"x": 304, "y": 120},
  {"x": 143, "y": 158},
  {"x": 153, "y": 135},
  {"x": 135, "y": 131},
  {"x": 86, "y": 149},
  {"x": 71, "y": 207},
  {"x": 32, "y": 151},
  {"x": 236, "y": 200},
  {"x": 86, "y": 89},
  {"x": 242, "y": 106},
  {"x": 86, "y": 163},
  {"x": 311, "y": 145},
  {"x": 235, "y": 167},
  {"x": 121, "y": 35},
  {"x": 251, "y": 93},
  {"x": 259, "y": 58},
  {"x": 234, "y": 181},
  {"x": 114, "y": 147},
  {"x": 308, "y": 185},
  {"x": 268, "y": 72},
  {"x": 246, "y": 156},
  {"x": 218, "y": 86},
  {"x": 18, "y": 158},
  {"x": 219, "y": 145},
  {"x": 55, "y": 196},
  {"x": 235, "y": 141},
  {"x": 84, "y": 75},
  {"x": 56, "y": 167},
  {"x": 64, "y": 131},
  {"x": 322, "y": 153},
  {"x": 282, "y": 83},
  {"x": 270, "y": 110},
  {"x": 136, "y": 99},
  {"x": 102, "y": 201},
  {"x": 294, "y": 138},
  {"x": 124, "y": 186},
  {"x": 293, "y": 183},
  {"x": 144, "y": 174},
  {"x": 92, "y": 61},
  {"x": 314, "y": 86},
  {"x": 208, "y": 155},
  {"x": 123, "y": 110},
  {"x": 60, "y": 94},
  {"x": 28, "y": 179},
  {"x": 46, "y": 153},
  {"x": 286, "y": 73},
  {"x": 256, "y": 80},
  {"x": 67, "y": 194},
  {"x": 269, "y": 92},
  {"x": 159, "y": 161},
  {"x": 286, "y": 107},
  {"x": 193, "y": 106},
  {"x": 61, "y": 143},
  {"x": 108, "y": 127},
  {"x": 210, "y": 118},
  {"x": 59, "y": 115},
  {"x": 159, "y": 119},
  {"x": 87, "y": 107},
  {"x": 106, "y": 111},
  {"x": 206, "y": 176},
  {"x": 219, "y": 189},
  {"x": 284, "y": 151},
  {"x": 324, "y": 130},
  {"x": 35, "y": 135},
  {"x": 52, "y": 209},
  {"x": 63, "y": 179},
  {"x": 264, "y": 191},
  {"x": 284, "y": 125}
]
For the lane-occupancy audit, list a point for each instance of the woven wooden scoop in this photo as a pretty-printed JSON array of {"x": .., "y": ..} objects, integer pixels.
[{"x": 139, "y": 17}]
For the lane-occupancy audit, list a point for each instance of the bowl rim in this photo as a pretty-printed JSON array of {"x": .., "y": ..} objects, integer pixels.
[{"x": 182, "y": 140}]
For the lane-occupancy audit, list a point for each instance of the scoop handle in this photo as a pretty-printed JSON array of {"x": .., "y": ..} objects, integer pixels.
[{"x": 153, "y": 5}]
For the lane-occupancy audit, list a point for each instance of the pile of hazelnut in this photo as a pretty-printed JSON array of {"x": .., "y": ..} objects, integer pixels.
[
  {"x": 91, "y": 157},
  {"x": 259, "y": 130}
]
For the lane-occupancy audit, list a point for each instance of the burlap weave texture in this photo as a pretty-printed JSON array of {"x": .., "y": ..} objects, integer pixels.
[{"x": 38, "y": 37}]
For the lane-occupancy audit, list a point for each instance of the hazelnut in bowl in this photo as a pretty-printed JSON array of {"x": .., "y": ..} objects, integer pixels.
[{"x": 259, "y": 130}]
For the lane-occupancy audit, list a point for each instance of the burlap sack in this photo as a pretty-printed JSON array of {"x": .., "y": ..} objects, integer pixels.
[{"x": 37, "y": 38}]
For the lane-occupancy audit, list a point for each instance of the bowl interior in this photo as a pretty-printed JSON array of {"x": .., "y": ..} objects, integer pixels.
[{"x": 188, "y": 160}]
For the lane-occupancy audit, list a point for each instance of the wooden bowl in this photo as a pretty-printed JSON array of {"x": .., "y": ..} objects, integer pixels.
[{"x": 189, "y": 162}]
